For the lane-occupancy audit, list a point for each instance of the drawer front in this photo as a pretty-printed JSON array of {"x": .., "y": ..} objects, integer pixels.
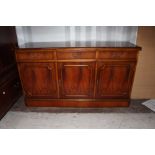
[
  {"x": 9, "y": 91},
  {"x": 75, "y": 54},
  {"x": 32, "y": 55},
  {"x": 117, "y": 54},
  {"x": 8, "y": 94}
]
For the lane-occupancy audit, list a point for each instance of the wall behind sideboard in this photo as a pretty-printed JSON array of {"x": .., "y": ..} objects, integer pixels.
[
  {"x": 75, "y": 33},
  {"x": 144, "y": 83}
]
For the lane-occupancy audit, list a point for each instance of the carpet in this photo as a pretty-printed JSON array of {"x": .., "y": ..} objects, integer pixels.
[
  {"x": 37, "y": 120},
  {"x": 135, "y": 107}
]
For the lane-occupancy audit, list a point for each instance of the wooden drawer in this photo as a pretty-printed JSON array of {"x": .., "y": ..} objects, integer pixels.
[
  {"x": 117, "y": 54},
  {"x": 9, "y": 92},
  {"x": 35, "y": 55},
  {"x": 64, "y": 54}
]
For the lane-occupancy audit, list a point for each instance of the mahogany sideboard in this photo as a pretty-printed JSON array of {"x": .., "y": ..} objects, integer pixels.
[{"x": 81, "y": 75}]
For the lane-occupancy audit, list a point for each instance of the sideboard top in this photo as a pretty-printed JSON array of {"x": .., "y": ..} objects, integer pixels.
[{"x": 87, "y": 44}]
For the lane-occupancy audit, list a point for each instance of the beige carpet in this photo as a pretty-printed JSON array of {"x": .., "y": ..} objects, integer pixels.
[{"x": 36, "y": 120}]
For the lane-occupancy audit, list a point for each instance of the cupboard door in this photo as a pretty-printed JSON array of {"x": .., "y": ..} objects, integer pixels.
[
  {"x": 76, "y": 79},
  {"x": 38, "y": 79},
  {"x": 114, "y": 79}
]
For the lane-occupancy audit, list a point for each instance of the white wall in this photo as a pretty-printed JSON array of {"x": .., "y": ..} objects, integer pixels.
[{"x": 75, "y": 33}]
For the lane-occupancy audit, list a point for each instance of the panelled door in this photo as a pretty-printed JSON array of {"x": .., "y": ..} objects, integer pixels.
[
  {"x": 76, "y": 79},
  {"x": 114, "y": 79},
  {"x": 39, "y": 79}
]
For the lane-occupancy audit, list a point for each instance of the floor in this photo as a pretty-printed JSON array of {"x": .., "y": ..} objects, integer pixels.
[
  {"x": 136, "y": 116},
  {"x": 135, "y": 107}
]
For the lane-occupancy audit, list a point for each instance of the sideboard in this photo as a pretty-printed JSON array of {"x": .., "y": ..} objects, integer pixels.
[{"x": 62, "y": 74}]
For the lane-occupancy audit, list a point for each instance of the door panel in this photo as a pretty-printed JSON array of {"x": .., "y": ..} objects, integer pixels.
[
  {"x": 39, "y": 79},
  {"x": 114, "y": 79},
  {"x": 76, "y": 79}
]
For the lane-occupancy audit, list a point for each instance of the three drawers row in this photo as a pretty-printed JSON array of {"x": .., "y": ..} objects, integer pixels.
[{"x": 67, "y": 54}]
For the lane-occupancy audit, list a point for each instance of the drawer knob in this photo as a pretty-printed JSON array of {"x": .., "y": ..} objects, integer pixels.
[{"x": 3, "y": 93}]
